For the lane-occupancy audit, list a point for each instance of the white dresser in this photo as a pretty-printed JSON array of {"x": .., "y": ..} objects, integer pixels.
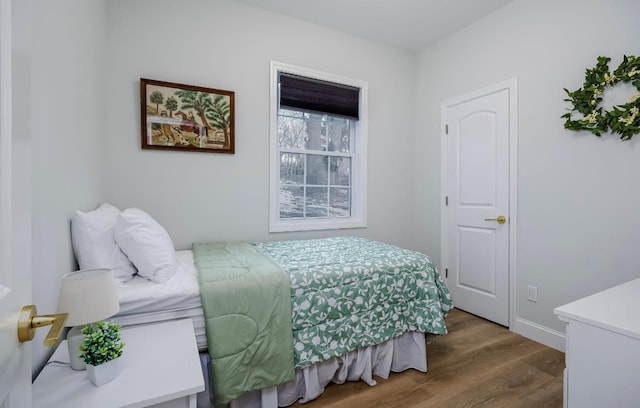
[{"x": 603, "y": 349}]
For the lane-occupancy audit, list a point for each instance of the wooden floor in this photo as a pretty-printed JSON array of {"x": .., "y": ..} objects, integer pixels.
[{"x": 478, "y": 364}]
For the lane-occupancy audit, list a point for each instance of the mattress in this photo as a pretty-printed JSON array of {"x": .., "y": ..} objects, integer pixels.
[
  {"x": 181, "y": 292},
  {"x": 145, "y": 302}
]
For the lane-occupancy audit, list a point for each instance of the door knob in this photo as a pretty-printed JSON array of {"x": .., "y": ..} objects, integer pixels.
[
  {"x": 500, "y": 219},
  {"x": 29, "y": 321}
]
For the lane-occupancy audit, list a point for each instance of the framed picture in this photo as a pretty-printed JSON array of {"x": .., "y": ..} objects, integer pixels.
[{"x": 186, "y": 117}]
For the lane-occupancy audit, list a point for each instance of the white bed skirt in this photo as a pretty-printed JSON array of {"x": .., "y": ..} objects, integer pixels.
[{"x": 399, "y": 354}]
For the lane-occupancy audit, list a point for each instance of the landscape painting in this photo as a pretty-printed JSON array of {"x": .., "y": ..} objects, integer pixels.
[{"x": 186, "y": 117}]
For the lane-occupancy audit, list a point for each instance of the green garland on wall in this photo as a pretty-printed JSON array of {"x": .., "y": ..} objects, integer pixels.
[{"x": 622, "y": 119}]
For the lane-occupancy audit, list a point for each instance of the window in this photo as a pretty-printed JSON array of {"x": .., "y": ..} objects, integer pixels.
[{"x": 318, "y": 150}]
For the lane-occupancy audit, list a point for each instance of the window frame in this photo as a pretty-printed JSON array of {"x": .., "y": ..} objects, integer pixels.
[{"x": 358, "y": 218}]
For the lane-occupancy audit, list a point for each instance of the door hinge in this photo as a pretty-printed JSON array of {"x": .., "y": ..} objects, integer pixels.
[
  {"x": 446, "y": 200},
  {"x": 446, "y": 129},
  {"x": 446, "y": 272}
]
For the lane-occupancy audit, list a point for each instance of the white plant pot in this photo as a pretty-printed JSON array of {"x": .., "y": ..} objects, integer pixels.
[{"x": 103, "y": 373}]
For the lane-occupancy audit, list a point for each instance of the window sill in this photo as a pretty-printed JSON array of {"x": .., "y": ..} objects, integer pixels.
[{"x": 313, "y": 225}]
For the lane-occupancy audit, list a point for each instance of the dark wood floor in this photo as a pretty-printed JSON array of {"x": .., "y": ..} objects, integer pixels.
[{"x": 477, "y": 365}]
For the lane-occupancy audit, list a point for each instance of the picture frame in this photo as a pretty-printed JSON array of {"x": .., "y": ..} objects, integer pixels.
[{"x": 186, "y": 117}]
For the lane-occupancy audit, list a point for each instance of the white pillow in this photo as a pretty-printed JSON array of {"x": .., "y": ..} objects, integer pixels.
[
  {"x": 94, "y": 243},
  {"x": 147, "y": 245}
]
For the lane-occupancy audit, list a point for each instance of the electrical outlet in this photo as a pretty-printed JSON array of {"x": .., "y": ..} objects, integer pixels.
[{"x": 532, "y": 293}]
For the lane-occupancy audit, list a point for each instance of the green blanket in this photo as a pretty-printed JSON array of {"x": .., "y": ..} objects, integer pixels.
[
  {"x": 348, "y": 293},
  {"x": 247, "y": 307}
]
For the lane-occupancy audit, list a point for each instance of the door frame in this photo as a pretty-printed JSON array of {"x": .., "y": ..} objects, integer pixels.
[{"x": 511, "y": 85}]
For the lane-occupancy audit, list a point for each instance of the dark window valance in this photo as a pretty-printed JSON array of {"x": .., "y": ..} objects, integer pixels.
[{"x": 315, "y": 95}]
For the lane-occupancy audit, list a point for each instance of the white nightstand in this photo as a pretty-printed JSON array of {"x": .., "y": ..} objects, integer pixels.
[{"x": 160, "y": 367}]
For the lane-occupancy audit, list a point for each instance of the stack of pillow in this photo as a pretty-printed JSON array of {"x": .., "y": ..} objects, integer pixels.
[{"x": 128, "y": 242}]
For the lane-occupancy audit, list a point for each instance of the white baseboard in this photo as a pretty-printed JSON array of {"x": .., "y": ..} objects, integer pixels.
[{"x": 542, "y": 334}]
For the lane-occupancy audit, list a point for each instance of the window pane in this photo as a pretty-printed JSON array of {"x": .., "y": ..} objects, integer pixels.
[
  {"x": 291, "y": 129},
  {"x": 316, "y": 138},
  {"x": 340, "y": 202},
  {"x": 291, "y": 168},
  {"x": 291, "y": 202},
  {"x": 317, "y": 202},
  {"x": 317, "y": 170},
  {"x": 340, "y": 171},
  {"x": 293, "y": 113},
  {"x": 338, "y": 133}
]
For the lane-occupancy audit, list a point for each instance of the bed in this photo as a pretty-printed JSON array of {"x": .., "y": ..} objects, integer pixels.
[
  {"x": 347, "y": 308},
  {"x": 333, "y": 282}
]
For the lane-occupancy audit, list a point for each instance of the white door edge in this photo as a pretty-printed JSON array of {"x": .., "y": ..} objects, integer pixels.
[
  {"x": 15, "y": 203},
  {"x": 512, "y": 86}
]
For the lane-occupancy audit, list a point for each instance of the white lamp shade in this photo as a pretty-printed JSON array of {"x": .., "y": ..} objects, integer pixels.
[{"x": 88, "y": 296}]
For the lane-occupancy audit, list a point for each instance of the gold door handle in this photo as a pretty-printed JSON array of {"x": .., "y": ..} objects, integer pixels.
[
  {"x": 29, "y": 321},
  {"x": 501, "y": 219}
]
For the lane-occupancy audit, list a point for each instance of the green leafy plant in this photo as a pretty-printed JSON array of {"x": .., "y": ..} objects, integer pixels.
[
  {"x": 622, "y": 119},
  {"x": 101, "y": 343}
]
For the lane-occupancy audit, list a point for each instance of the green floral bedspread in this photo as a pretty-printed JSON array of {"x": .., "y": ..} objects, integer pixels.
[{"x": 349, "y": 293}]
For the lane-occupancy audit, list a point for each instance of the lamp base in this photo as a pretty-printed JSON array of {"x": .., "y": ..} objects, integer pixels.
[{"x": 74, "y": 340}]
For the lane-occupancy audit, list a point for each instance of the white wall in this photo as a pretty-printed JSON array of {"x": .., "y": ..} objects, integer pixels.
[
  {"x": 578, "y": 197},
  {"x": 227, "y": 45},
  {"x": 68, "y": 99}
]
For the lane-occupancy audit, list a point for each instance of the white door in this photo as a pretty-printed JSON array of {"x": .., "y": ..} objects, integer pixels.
[
  {"x": 476, "y": 216},
  {"x": 15, "y": 274}
]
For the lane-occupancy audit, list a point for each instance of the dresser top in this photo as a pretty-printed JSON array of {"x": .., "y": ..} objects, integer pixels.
[{"x": 614, "y": 309}]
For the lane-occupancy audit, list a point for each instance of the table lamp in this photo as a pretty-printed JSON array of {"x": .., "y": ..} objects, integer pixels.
[{"x": 88, "y": 296}]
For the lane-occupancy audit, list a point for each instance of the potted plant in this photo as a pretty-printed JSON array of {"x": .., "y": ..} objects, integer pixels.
[{"x": 100, "y": 350}]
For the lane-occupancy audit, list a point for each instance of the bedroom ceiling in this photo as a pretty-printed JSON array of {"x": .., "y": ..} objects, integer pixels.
[{"x": 408, "y": 24}]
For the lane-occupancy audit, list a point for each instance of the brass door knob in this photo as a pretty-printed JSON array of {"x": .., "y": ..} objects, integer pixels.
[
  {"x": 29, "y": 321},
  {"x": 500, "y": 219}
]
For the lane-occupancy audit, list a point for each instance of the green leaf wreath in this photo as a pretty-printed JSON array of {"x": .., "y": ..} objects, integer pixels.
[{"x": 622, "y": 119}]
